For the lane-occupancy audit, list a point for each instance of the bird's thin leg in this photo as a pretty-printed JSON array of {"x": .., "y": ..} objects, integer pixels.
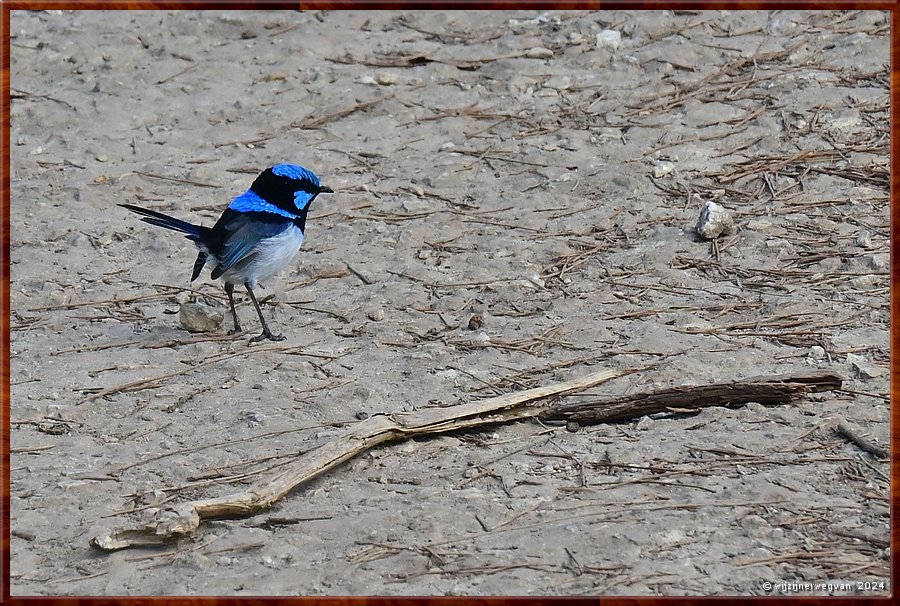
[
  {"x": 229, "y": 290},
  {"x": 266, "y": 333}
]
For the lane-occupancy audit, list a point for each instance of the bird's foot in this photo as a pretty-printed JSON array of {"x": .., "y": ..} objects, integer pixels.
[{"x": 267, "y": 335}]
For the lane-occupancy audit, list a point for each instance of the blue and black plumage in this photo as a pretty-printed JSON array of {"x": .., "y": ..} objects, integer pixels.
[{"x": 258, "y": 234}]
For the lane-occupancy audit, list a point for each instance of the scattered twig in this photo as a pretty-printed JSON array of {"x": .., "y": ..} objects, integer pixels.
[
  {"x": 848, "y": 434},
  {"x": 113, "y": 301},
  {"x": 23, "y": 94},
  {"x": 176, "y": 180},
  {"x": 316, "y": 120},
  {"x": 184, "y": 71},
  {"x": 358, "y": 274},
  {"x": 151, "y": 382}
]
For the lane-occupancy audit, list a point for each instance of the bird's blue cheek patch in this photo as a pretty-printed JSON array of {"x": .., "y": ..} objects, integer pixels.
[
  {"x": 249, "y": 201},
  {"x": 302, "y": 199}
]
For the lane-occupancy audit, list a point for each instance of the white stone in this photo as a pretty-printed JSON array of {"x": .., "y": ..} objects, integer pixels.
[
  {"x": 661, "y": 168},
  {"x": 386, "y": 79},
  {"x": 714, "y": 221},
  {"x": 539, "y": 52},
  {"x": 609, "y": 38},
  {"x": 817, "y": 352}
]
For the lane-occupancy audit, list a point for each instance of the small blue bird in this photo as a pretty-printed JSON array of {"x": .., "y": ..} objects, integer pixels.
[{"x": 258, "y": 234}]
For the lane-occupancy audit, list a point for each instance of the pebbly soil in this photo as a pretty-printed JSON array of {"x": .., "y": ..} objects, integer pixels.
[{"x": 532, "y": 168}]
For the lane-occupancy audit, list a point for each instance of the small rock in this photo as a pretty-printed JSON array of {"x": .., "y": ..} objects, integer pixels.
[
  {"x": 880, "y": 262},
  {"x": 861, "y": 193},
  {"x": 759, "y": 224},
  {"x": 662, "y": 168},
  {"x": 414, "y": 205},
  {"x": 53, "y": 428},
  {"x": 714, "y": 221},
  {"x": 759, "y": 553},
  {"x": 481, "y": 337},
  {"x": 535, "y": 280},
  {"x": 254, "y": 418},
  {"x": 541, "y": 18},
  {"x": 575, "y": 38},
  {"x": 376, "y": 315},
  {"x": 199, "y": 317},
  {"x": 842, "y": 121},
  {"x": 817, "y": 352},
  {"x": 643, "y": 424},
  {"x": 864, "y": 282},
  {"x": 609, "y": 38},
  {"x": 539, "y": 52},
  {"x": 829, "y": 264},
  {"x": 386, "y": 79},
  {"x": 865, "y": 369},
  {"x": 476, "y": 322},
  {"x": 864, "y": 239},
  {"x": 74, "y": 239}
]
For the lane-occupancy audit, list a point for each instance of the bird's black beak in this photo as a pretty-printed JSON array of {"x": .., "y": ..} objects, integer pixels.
[{"x": 324, "y": 189}]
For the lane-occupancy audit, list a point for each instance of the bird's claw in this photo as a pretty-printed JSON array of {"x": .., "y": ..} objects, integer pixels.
[{"x": 267, "y": 335}]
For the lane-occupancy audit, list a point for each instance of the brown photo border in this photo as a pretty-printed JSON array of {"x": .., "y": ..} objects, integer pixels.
[{"x": 9, "y": 5}]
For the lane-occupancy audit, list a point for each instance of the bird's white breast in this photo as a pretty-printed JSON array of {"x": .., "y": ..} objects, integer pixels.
[{"x": 270, "y": 256}]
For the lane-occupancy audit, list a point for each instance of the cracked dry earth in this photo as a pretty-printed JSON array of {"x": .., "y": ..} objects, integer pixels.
[{"x": 542, "y": 171}]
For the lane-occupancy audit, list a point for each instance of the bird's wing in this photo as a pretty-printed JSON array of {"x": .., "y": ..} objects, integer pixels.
[{"x": 241, "y": 232}]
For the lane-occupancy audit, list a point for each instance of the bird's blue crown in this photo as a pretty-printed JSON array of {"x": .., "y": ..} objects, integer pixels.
[{"x": 292, "y": 171}]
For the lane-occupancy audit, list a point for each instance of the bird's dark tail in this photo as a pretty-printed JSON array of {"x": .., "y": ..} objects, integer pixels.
[{"x": 193, "y": 232}]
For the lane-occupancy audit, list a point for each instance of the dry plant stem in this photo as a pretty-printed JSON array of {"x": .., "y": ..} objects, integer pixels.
[
  {"x": 776, "y": 389},
  {"x": 848, "y": 434},
  {"x": 184, "y": 519}
]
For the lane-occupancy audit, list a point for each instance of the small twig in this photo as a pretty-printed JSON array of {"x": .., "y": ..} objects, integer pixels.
[
  {"x": 845, "y": 432},
  {"x": 22, "y": 94},
  {"x": 274, "y": 521},
  {"x": 334, "y": 314},
  {"x": 150, "y": 382},
  {"x": 176, "y": 179},
  {"x": 359, "y": 275},
  {"x": 113, "y": 301},
  {"x": 315, "y": 122},
  {"x": 173, "y": 76},
  {"x": 857, "y": 534}
]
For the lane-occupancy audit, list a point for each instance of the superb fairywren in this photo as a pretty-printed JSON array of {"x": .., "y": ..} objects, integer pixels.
[{"x": 257, "y": 235}]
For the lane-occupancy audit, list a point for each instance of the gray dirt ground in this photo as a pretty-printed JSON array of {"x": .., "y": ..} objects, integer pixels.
[{"x": 497, "y": 163}]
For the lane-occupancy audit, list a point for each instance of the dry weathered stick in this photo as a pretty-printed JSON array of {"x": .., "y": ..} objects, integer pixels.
[
  {"x": 776, "y": 389},
  {"x": 185, "y": 518},
  {"x": 848, "y": 434}
]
